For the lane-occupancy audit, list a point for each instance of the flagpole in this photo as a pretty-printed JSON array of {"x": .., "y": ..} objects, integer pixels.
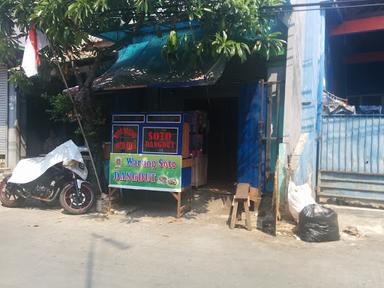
[
  {"x": 30, "y": 68},
  {"x": 80, "y": 126}
]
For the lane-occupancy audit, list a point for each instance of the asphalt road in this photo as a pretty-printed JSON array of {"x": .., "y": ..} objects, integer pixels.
[{"x": 46, "y": 248}]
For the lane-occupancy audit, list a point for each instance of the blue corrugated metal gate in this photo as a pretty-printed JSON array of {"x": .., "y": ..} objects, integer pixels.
[{"x": 351, "y": 162}]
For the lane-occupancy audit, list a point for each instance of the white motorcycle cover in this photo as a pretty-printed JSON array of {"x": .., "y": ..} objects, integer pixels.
[{"x": 67, "y": 153}]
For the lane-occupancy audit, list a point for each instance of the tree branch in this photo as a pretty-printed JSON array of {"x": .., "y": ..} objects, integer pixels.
[
  {"x": 92, "y": 73},
  {"x": 75, "y": 69}
]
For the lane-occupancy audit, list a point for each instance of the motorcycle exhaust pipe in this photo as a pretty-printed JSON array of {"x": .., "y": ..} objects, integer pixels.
[{"x": 43, "y": 199}]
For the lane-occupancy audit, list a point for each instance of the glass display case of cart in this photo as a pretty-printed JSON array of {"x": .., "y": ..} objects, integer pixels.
[{"x": 151, "y": 151}]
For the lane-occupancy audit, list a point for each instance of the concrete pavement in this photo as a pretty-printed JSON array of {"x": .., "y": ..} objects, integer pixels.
[{"x": 149, "y": 248}]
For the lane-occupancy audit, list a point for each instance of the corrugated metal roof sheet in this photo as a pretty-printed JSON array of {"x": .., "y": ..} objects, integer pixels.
[{"x": 3, "y": 110}]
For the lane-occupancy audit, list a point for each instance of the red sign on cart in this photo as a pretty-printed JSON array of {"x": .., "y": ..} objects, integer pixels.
[
  {"x": 125, "y": 138},
  {"x": 160, "y": 140}
]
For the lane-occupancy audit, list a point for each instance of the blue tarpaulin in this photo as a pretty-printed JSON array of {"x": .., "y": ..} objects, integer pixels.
[
  {"x": 141, "y": 64},
  {"x": 249, "y": 155}
]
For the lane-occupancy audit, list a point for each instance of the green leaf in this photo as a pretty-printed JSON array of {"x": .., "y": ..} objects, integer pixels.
[
  {"x": 225, "y": 36},
  {"x": 173, "y": 38}
]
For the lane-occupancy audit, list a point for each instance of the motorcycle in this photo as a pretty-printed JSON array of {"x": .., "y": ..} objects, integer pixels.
[{"x": 61, "y": 174}]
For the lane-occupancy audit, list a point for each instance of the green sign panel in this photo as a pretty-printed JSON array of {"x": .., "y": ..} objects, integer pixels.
[{"x": 145, "y": 171}]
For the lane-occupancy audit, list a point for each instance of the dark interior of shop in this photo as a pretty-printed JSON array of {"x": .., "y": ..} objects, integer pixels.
[
  {"x": 220, "y": 102},
  {"x": 221, "y": 142},
  {"x": 357, "y": 62}
]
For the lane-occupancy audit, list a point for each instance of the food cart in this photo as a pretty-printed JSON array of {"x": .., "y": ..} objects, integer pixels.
[{"x": 151, "y": 151}]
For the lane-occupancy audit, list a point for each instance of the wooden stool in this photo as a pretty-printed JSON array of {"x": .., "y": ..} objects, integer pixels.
[{"x": 242, "y": 195}]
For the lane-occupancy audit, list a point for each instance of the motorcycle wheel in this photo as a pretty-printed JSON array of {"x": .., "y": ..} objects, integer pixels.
[
  {"x": 7, "y": 198},
  {"x": 77, "y": 205}
]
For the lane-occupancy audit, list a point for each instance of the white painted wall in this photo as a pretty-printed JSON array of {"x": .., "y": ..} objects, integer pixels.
[
  {"x": 12, "y": 145},
  {"x": 303, "y": 89}
]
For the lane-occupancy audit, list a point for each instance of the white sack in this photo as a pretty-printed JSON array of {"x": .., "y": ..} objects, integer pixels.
[{"x": 298, "y": 198}]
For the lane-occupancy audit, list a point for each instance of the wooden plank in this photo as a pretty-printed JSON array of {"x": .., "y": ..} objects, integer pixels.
[
  {"x": 234, "y": 214},
  {"x": 242, "y": 191},
  {"x": 254, "y": 194},
  {"x": 186, "y": 163},
  {"x": 181, "y": 208},
  {"x": 276, "y": 194},
  {"x": 185, "y": 147},
  {"x": 247, "y": 216}
]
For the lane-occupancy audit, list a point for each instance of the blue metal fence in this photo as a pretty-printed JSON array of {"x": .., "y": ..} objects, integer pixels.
[
  {"x": 353, "y": 144},
  {"x": 352, "y": 157}
]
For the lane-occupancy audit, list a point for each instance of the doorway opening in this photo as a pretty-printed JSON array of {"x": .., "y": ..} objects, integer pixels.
[{"x": 220, "y": 143}]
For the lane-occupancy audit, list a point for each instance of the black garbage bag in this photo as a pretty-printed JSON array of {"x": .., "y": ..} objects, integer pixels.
[{"x": 318, "y": 224}]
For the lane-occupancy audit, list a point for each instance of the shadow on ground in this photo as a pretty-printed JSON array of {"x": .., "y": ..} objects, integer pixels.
[
  {"x": 92, "y": 251},
  {"x": 36, "y": 204},
  {"x": 136, "y": 205},
  {"x": 211, "y": 204}
]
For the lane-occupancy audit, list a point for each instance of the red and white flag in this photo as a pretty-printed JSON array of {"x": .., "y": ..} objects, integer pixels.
[{"x": 36, "y": 41}]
